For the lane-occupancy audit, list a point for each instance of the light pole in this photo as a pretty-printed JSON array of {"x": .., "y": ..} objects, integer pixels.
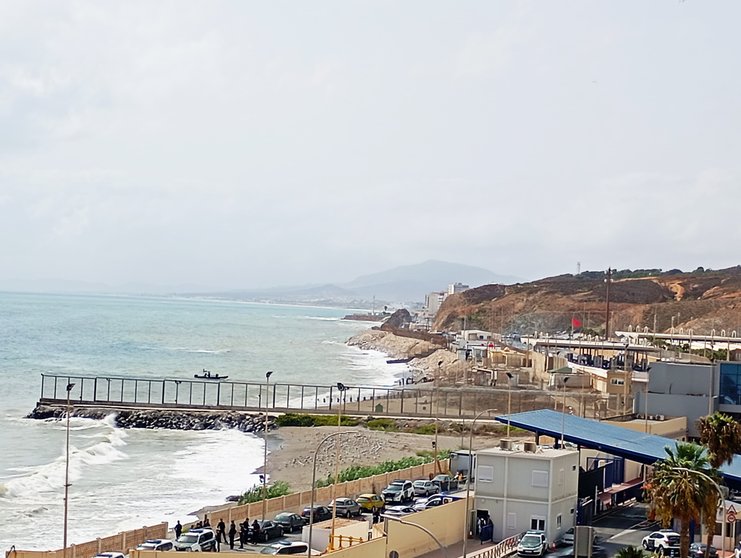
[
  {"x": 403, "y": 522},
  {"x": 509, "y": 399},
  {"x": 563, "y": 409},
  {"x": 313, "y": 483},
  {"x": 437, "y": 409},
  {"x": 66, "y": 471},
  {"x": 265, "y": 448},
  {"x": 722, "y": 497},
  {"x": 342, "y": 388},
  {"x": 470, "y": 474}
]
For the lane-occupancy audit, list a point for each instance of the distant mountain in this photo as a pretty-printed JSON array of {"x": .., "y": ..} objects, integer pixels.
[{"x": 412, "y": 282}]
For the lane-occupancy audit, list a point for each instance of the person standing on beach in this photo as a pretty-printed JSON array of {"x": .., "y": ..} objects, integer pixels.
[
  {"x": 221, "y": 531},
  {"x": 178, "y": 529},
  {"x": 232, "y": 532}
]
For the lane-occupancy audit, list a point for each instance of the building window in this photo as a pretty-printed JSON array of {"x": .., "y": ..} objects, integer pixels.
[
  {"x": 558, "y": 521},
  {"x": 617, "y": 381},
  {"x": 485, "y": 473},
  {"x": 539, "y": 479},
  {"x": 730, "y": 383},
  {"x": 537, "y": 523},
  {"x": 511, "y": 521}
]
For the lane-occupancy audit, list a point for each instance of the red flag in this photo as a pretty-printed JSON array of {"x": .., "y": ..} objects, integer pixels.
[{"x": 575, "y": 323}]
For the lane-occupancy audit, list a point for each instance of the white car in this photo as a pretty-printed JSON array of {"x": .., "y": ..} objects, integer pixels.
[
  {"x": 156, "y": 544},
  {"x": 398, "y": 511},
  {"x": 532, "y": 543},
  {"x": 110, "y": 555},
  {"x": 399, "y": 491},
  {"x": 196, "y": 540},
  {"x": 664, "y": 542},
  {"x": 295, "y": 547},
  {"x": 431, "y": 502}
]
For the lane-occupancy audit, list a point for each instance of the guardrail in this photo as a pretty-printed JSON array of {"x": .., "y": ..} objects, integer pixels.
[{"x": 503, "y": 548}]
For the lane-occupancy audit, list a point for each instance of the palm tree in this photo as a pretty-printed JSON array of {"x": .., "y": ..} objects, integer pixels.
[
  {"x": 721, "y": 435},
  {"x": 681, "y": 489},
  {"x": 629, "y": 552}
]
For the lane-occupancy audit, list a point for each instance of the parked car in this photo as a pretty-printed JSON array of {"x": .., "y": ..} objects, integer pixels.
[
  {"x": 110, "y": 555},
  {"x": 445, "y": 482},
  {"x": 532, "y": 543},
  {"x": 269, "y": 530},
  {"x": 370, "y": 502},
  {"x": 398, "y": 511},
  {"x": 431, "y": 502},
  {"x": 697, "y": 550},
  {"x": 196, "y": 540},
  {"x": 289, "y": 521},
  {"x": 424, "y": 487},
  {"x": 155, "y": 544},
  {"x": 346, "y": 507},
  {"x": 290, "y": 548},
  {"x": 399, "y": 491},
  {"x": 664, "y": 542},
  {"x": 321, "y": 513},
  {"x": 568, "y": 552}
]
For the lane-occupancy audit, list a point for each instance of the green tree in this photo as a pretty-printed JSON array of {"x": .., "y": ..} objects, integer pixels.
[
  {"x": 721, "y": 435},
  {"x": 680, "y": 489}
]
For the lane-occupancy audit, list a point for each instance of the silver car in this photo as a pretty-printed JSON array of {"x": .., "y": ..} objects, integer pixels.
[
  {"x": 346, "y": 507},
  {"x": 425, "y": 487}
]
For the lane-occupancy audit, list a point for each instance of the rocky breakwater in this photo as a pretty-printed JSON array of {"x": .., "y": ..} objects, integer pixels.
[{"x": 152, "y": 418}]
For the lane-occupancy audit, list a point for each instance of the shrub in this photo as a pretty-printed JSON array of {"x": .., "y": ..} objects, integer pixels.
[
  {"x": 355, "y": 472},
  {"x": 385, "y": 424},
  {"x": 296, "y": 419},
  {"x": 254, "y": 494}
]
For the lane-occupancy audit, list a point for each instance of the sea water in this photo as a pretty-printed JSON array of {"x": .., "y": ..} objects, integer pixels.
[{"x": 124, "y": 479}]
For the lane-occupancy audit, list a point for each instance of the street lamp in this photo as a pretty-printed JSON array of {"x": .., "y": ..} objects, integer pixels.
[
  {"x": 313, "y": 484},
  {"x": 66, "y": 471},
  {"x": 470, "y": 473},
  {"x": 563, "y": 409},
  {"x": 418, "y": 526},
  {"x": 342, "y": 389},
  {"x": 265, "y": 448},
  {"x": 509, "y": 399}
]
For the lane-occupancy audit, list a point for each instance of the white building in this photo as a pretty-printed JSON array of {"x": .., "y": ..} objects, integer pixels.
[
  {"x": 523, "y": 486},
  {"x": 433, "y": 302},
  {"x": 455, "y": 288}
]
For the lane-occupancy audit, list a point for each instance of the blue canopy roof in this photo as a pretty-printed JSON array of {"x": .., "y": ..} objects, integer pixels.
[{"x": 615, "y": 440}]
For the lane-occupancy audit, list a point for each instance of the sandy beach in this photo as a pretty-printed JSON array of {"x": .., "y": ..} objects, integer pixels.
[{"x": 292, "y": 450}]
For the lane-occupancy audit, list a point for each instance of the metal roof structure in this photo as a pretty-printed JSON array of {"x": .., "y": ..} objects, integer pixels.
[{"x": 615, "y": 440}]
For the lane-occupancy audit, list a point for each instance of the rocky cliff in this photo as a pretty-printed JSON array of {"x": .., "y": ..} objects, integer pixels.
[{"x": 701, "y": 300}]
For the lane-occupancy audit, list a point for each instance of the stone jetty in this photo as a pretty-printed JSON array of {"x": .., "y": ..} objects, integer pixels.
[{"x": 155, "y": 418}]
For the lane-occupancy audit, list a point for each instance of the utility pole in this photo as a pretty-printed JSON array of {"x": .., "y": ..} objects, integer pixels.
[{"x": 607, "y": 309}]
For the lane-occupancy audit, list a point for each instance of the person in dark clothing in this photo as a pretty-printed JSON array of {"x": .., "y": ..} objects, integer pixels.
[
  {"x": 221, "y": 531},
  {"x": 244, "y": 532},
  {"x": 178, "y": 529},
  {"x": 232, "y": 533},
  {"x": 206, "y": 522},
  {"x": 255, "y": 531}
]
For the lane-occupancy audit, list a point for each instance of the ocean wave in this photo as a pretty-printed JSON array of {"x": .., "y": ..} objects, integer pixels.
[
  {"x": 321, "y": 318},
  {"x": 200, "y": 351},
  {"x": 49, "y": 477}
]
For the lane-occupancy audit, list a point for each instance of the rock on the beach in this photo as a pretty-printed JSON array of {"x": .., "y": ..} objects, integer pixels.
[
  {"x": 393, "y": 345},
  {"x": 173, "y": 420}
]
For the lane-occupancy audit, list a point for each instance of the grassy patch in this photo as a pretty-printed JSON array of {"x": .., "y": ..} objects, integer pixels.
[
  {"x": 296, "y": 419},
  {"x": 385, "y": 424},
  {"x": 254, "y": 494}
]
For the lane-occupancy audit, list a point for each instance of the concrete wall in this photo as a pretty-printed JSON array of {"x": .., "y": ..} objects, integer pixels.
[{"x": 293, "y": 503}]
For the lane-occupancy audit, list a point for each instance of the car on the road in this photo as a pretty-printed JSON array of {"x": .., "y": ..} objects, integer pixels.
[
  {"x": 269, "y": 530},
  {"x": 567, "y": 538},
  {"x": 398, "y": 511},
  {"x": 289, "y": 521},
  {"x": 346, "y": 507},
  {"x": 697, "y": 550},
  {"x": 424, "y": 487},
  {"x": 294, "y": 547},
  {"x": 568, "y": 552},
  {"x": 110, "y": 555},
  {"x": 371, "y": 502},
  {"x": 196, "y": 540},
  {"x": 399, "y": 491},
  {"x": 431, "y": 502},
  {"x": 445, "y": 483},
  {"x": 664, "y": 542},
  {"x": 321, "y": 513},
  {"x": 155, "y": 544},
  {"x": 532, "y": 543}
]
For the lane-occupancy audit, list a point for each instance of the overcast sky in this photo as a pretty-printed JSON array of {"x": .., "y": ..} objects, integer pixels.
[{"x": 248, "y": 144}]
